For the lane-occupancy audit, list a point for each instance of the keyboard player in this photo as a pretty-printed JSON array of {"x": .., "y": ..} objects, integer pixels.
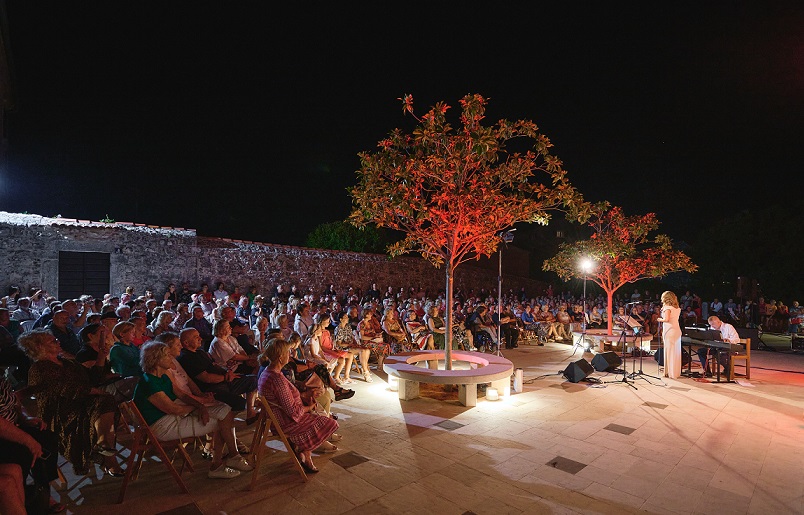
[{"x": 728, "y": 334}]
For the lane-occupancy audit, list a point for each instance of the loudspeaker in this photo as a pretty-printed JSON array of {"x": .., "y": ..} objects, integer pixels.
[
  {"x": 578, "y": 371},
  {"x": 750, "y": 332},
  {"x": 606, "y": 361}
]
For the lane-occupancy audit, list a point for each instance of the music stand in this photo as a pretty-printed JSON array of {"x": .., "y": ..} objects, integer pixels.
[
  {"x": 640, "y": 374},
  {"x": 622, "y": 340}
]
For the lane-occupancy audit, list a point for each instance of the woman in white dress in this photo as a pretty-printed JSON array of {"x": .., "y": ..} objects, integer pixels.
[{"x": 671, "y": 335}]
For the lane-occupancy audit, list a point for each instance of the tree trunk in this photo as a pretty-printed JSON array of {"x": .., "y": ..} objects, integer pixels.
[
  {"x": 610, "y": 312},
  {"x": 448, "y": 333}
]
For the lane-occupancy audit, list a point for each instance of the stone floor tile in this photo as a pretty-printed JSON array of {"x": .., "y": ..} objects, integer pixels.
[
  {"x": 650, "y": 470},
  {"x": 636, "y": 486},
  {"x": 615, "y": 461},
  {"x": 675, "y": 497},
  {"x": 690, "y": 477},
  {"x": 612, "y": 441},
  {"x": 624, "y": 501},
  {"x": 418, "y": 499},
  {"x": 733, "y": 480},
  {"x": 718, "y": 502}
]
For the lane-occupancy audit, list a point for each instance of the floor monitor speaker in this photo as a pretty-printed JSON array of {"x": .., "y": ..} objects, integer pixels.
[
  {"x": 578, "y": 371},
  {"x": 606, "y": 361}
]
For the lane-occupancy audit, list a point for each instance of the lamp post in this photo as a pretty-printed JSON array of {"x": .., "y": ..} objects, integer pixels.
[
  {"x": 507, "y": 237},
  {"x": 586, "y": 266}
]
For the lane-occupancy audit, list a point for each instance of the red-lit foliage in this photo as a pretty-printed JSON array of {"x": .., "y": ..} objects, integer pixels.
[
  {"x": 622, "y": 253},
  {"x": 451, "y": 191}
]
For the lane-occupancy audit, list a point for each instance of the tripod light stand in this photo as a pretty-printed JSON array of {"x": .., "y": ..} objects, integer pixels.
[{"x": 586, "y": 266}]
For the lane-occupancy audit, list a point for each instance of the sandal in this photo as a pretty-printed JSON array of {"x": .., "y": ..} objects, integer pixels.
[
  {"x": 103, "y": 451},
  {"x": 307, "y": 468},
  {"x": 367, "y": 377},
  {"x": 326, "y": 448},
  {"x": 335, "y": 437}
]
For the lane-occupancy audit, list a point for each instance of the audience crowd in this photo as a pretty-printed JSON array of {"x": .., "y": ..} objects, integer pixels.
[{"x": 192, "y": 359}]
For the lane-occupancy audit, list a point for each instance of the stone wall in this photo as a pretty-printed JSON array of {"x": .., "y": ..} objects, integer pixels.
[{"x": 152, "y": 257}]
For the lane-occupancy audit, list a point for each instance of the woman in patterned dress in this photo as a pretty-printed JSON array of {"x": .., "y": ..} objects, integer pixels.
[
  {"x": 371, "y": 336},
  {"x": 436, "y": 326},
  {"x": 305, "y": 430},
  {"x": 72, "y": 403},
  {"x": 418, "y": 332},
  {"x": 393, "y": 328},
  {"x": 345, "y": 339}
]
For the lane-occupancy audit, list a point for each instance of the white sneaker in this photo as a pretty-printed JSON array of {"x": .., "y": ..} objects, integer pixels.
[
  {"x": 223, "y": 472},
  {"x": 239, "y": 463}
]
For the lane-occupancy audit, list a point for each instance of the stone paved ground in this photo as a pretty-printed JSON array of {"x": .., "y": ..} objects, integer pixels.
[{"x": 558, "y": 447}]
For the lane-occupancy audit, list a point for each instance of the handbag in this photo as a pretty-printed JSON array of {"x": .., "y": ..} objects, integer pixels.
[{"x": 314, "y": 382}]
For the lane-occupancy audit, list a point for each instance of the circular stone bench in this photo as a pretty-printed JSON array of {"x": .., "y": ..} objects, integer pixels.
[{"x": 491, "y": 369}]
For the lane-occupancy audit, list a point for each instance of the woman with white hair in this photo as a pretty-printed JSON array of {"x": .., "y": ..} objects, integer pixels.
[{"x": 174, "y": 415}]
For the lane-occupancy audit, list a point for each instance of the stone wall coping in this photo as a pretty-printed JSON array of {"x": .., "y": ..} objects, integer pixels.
[{"x": 30, "y": 219}]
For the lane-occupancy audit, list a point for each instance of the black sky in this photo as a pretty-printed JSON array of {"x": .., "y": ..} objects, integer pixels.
[{"x": 245, "y": 122}]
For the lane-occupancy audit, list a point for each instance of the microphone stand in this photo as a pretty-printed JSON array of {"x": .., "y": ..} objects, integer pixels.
[
  {"x": 622, "y": 341},
  {"x": 640, "y": 374}
]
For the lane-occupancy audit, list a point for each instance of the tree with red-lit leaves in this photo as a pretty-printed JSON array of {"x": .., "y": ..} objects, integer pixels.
[
  {"x": 622, "y": 252},
  {"x": 452, "y": 191}
]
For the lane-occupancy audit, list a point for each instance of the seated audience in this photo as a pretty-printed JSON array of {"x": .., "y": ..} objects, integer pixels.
[
  {"x": 202, "y": 325},
  {"x": 370, "y": 333},
  {"x": 225, "y": 384},
  {"x": 345, "y": 339},
  {"x": 306, "y": 431},
  {"x": 162, "y": 323},
  {"x": 95, "y": 353},
  {"x": 228, "y": 353},
  {"x": 26, "y": 446},
  {"x": 124, "y": 355},
  {"x": 173, "y": 415},
  {"x": 72, "y": 404}
]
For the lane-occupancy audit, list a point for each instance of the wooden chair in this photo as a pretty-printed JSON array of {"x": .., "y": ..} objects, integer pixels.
[
  {"x": 143, "y": 439},
  {"x": 742, "y": 357},
  {"x": 268, "y": 429}
]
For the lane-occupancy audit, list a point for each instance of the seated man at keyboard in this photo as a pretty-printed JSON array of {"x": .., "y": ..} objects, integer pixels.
[{"x": 728, "y": 334}]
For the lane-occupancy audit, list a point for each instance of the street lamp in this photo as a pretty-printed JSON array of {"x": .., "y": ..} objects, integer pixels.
[
  {"x": 507, "y": 237},
  {"x": 586, "y": 267}
]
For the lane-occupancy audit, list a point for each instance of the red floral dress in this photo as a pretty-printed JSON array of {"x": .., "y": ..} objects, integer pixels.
[{"x": 306, "y": 431}]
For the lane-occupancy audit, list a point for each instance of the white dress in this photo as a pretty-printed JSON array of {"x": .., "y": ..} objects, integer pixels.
[{"x": 671, "y": 336}]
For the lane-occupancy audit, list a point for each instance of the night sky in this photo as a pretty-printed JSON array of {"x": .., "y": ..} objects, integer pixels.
[{"x": 246, "y": 122}]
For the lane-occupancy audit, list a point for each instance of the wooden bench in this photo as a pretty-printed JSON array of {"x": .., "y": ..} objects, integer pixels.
[{"x": 406, "y": 368}]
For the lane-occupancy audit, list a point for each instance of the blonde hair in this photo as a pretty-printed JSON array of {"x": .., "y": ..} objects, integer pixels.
[
  {"x": 32, "y": 343},
  {"x": 670, "y": 299},
  {"x": 276, "y": 348},
  {"x": 150, "y": 355},
  {"x": 217, "y": 327},
  {"x": 120, "y": 328}
]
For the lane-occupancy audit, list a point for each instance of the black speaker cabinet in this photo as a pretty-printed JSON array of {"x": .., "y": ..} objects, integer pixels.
[
  {"x": 750, "y": 332},
  {"x": 578, "y": 371},
  {"x": 606, "y": 361}
]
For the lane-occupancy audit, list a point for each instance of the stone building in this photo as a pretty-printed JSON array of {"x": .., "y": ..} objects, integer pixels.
[{"x": 67, "y": 257}]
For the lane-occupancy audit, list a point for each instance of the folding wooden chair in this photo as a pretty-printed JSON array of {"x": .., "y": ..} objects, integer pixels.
[
  {"x": 742, "y": 357},
  {"x": 143, "y": 439},
  {"x": 268, "y": 429}
]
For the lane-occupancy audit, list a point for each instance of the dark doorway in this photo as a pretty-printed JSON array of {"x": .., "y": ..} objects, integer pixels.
[{"x": 83, "y": 272}]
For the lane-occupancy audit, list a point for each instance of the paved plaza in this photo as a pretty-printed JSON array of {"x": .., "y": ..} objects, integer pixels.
[{"x": 685, "y": 446}]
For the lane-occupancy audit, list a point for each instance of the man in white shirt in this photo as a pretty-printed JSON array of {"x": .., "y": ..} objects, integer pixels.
[
  {"x": 727, "y": 334},
  {"x": 24, "y": 312}
]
